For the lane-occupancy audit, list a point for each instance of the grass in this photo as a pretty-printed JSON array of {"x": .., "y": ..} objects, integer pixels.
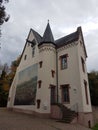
[{"x": 95, "y": 127}]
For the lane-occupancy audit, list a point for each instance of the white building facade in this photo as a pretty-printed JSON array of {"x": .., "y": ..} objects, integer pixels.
[{"x": 52, "y": 75}]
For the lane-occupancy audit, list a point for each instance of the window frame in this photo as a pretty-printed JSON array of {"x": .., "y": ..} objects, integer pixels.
[
  {"x": 83, "y": 64},
  {"x": 62, "y": 66},
  {"x": 67, "y": 101}
]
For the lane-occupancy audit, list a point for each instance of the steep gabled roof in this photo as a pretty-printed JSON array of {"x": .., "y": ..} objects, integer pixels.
[
  {"x": 67, "y": 39},
  {"x": 37, "y": 36},
  {"x": 71, "y": 38},
  {"x": 48, "y": 36},
  {"x": 79, "y": 30}
]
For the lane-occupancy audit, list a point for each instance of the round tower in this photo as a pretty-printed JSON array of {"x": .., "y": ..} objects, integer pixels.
[{"x": 46, "y": 93}]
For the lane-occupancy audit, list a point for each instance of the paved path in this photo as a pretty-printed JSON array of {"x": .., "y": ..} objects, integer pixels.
[{"x": 10, "y": 120}]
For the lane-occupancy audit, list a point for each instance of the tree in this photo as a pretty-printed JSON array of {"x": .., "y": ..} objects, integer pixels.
[
  {"x": 93, "y": 83},
  {"x": 4, "y": 86},
  {"x": 13, "y": 69},
  {"x": 3, "y": 15},
  {"x": 6, "y": 80}
]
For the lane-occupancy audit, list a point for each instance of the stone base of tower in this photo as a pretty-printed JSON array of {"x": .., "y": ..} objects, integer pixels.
[{"x": 85, "y": 119}]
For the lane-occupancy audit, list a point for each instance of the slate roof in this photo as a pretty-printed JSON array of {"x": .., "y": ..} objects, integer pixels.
[
  {"x": 48, "y": 36},
  {"x": 37, "y": 36},
  {"x": 67, "y": 39}
]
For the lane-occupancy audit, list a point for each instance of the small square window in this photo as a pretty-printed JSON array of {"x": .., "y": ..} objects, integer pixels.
[
  {"x": 52, "y": 72},
  {"x": 39, "y": 83},
  {"x": 40, "y": 64},
  {"x": 38, "y": 103},
  {"x": 25, "y": 57}
]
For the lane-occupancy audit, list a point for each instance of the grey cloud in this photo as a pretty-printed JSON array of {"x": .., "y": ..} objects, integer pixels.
[
  {"x": 92, "y": 50},
  {"x": 64, "y": 15}
]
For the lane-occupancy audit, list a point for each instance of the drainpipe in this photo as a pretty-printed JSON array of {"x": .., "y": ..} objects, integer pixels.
[{"x": 57, "y": 73}]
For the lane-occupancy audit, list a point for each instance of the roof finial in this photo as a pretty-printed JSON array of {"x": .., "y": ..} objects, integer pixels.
[{"x": 48, "y": 20}]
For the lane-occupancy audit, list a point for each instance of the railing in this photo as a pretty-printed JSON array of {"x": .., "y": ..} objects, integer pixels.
[{"x": 74, "y": 107}]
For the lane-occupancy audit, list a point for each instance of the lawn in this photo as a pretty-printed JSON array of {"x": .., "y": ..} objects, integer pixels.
[{"x": 95, "y": 127}]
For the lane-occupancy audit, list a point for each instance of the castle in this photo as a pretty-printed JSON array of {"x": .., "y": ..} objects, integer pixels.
[{"x": 51, "y": 79}]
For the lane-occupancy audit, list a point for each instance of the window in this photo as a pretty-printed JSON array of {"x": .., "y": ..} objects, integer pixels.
[
  {"x": 65, "y": 93},
  {"x": 40, "y": 64},
  {"x": 52, "y": 72},
  {"x": 64, "y": 61},
  {"x": 53, "y": 94},
  {"x": 33, "y": 51},
  {"x": 38, "y": 103},
  {"x": 86, "y": 92},
  {"x": 83, "y": 64},
  {"x": 39, "y": 83},
  {"x": 25, "y": 57}
]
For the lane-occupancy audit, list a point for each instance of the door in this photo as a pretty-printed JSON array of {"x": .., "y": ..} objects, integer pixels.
[{"x": 52, "y": 94}]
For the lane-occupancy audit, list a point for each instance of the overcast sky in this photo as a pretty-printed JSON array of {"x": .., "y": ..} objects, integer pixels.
[{"x": 64, "y": 15}]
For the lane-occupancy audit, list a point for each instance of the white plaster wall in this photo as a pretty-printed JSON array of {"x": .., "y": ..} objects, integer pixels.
[
  {"x": 71, "y": 75},
  {"x": 25, "y": 107},
  {"x": 12, "y": 91},
  {"x": 28, "y": 51},
  {"x": 75, "y": 76},
  {"x": 48, "y": 56},
  {"x": 84, "y": 76},
  {"x": 23, "y": 64}
]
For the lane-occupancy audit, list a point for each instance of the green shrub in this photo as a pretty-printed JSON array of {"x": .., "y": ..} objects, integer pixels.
[{"x": 95, "y": 127}]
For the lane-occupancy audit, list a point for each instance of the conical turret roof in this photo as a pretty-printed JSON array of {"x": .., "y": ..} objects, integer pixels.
[{"x": 48, "y": 36}]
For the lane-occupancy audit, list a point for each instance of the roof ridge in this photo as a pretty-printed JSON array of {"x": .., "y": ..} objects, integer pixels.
[
  {"x": 66, "y": 36},
  {"x": 67, "y": 39}
]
